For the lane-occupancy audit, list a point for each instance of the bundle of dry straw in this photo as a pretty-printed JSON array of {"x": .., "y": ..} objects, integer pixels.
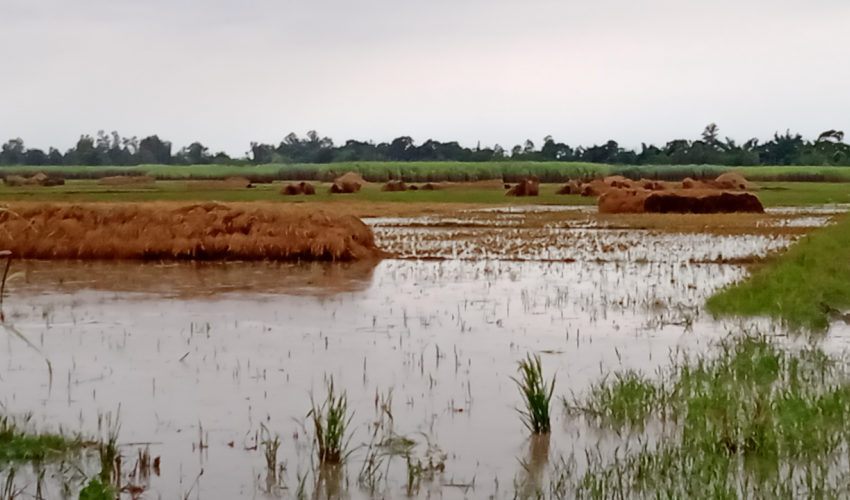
[{"x": 207, "y": 231}]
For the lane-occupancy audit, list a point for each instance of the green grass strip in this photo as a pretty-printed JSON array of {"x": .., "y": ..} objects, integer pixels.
[
  {"x": 436, "y": 171},
  {"x": 20, "y": 446},
  {"x": 802, "y": 288}
]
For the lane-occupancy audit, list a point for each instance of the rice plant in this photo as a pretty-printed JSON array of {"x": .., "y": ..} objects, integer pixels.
[
  {"x": 271, "y": 445},
  {"x": 750, "y": 420},
  {"x": 626, "y": 399},
  {"x": 107, "y": 448},
  {"x": 331, "y": 422},
  {"x": 536, "y": 395}
]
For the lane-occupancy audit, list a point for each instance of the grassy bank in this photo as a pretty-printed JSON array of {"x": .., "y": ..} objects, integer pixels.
[
  {"x": 803, "y": 287},
  {"x": 446, "y": 171}
]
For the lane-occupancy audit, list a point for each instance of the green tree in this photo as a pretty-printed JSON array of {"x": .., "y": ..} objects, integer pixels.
[
  {"x": 12, "y": 153},
  {"x": 155, "y": 151}
]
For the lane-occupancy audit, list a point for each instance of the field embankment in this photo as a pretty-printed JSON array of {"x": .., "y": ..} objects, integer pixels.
[
  {"x": 160, "y": 231},
  {"x": 421, "y": 172},
  {"x": 808, "y": 286}
]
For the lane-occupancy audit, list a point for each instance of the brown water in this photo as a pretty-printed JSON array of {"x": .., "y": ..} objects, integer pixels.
[
  {"x": 235, "y": 347},
  {"x": 444, "y": 336}
]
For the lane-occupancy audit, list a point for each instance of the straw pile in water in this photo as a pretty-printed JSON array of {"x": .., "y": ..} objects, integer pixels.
[{"x": 207, "y": 231}]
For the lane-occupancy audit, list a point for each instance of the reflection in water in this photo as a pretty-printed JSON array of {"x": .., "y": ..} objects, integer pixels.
[
  {"x": 193, "y": 279},
  {"x": 534, "y": 466},
  {"x": 329, "y": 483}
]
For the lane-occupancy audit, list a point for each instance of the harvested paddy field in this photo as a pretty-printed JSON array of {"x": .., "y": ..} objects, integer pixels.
[
  {"x": 219, "y": 372},
  {"x": 564, "y": 233}
]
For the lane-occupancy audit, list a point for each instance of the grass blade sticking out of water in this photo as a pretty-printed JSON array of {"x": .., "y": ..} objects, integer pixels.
[
  {"x": 804, "y": 287},
  {"x": 751, "y": 419},
  {"x": 535, "y": 394},
  {"x": 331, "y": 422}
]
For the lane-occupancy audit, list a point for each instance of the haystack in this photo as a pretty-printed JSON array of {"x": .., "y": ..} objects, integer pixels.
[
  {"x": 393, "y": 186},
  {"x": 344, "y": 188},
  {"x": 623, "y": 201},
  {"x": 527, "y": 187},
  {"x": 732, "y": 181},
  {"x": 594, "y": 188},
  {"x": 351, "y": 177},
  {"x": 707, "y": 203},
  {"x": 14, "y": 180},
  {"x": 296, "y": 189},
  {"x": 347, "y": 184},
  {"x": 618, "y": 181},
  {"x": 292, "y": 190},
  {"x": 633, "y": 201},
  {"x": 572, "y": 187},
  {"x": 39, "y": 179},
  {"x": 207, "y": 231}
]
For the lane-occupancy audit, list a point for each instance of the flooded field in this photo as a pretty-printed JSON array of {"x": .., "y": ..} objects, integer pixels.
[
  {"x": 204, "y": 362},
  {"x": 565, "y": 233}
]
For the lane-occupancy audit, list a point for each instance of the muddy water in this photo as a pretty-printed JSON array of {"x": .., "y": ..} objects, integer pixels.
[
  {"x": 444, "y": 336},
  {"x": 212, "y": 354}
]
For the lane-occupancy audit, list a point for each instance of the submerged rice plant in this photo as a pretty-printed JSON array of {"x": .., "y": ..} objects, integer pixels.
[
  {"x": 536, "y": 395},
  {"x": 627, "y": 398},
  {"x": 271, "y": 445},
  {"x": 110, "y": 456},
  {"x": 751, "y": 419},
  {"x": 331, "y": 421}
]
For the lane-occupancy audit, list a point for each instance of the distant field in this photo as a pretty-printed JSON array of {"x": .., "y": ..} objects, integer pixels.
[
  {"x": 445, "y": 171},
  {"x": 773, "y": 194}
]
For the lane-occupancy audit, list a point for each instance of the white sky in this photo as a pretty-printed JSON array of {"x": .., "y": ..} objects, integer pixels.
[{"x": 500, "y": 71}]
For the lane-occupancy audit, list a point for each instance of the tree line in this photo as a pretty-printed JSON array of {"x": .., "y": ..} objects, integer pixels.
[{"x": 115, "y": 150}]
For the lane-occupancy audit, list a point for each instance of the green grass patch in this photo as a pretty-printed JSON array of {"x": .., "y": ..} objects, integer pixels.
[
  {"x": 799, "y": 194},
  {"x": 795, "y": 173},
  {"x": 802, "y": 288},
  {"x": 750, "y": 419},
  {"x": 17, "y": 445}
]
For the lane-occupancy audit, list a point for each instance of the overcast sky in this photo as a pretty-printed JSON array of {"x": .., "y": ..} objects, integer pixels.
[{"x": 497, "y": 71}]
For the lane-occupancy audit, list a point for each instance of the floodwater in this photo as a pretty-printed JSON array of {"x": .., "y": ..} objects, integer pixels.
[{"x": 200, "y": 359}]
